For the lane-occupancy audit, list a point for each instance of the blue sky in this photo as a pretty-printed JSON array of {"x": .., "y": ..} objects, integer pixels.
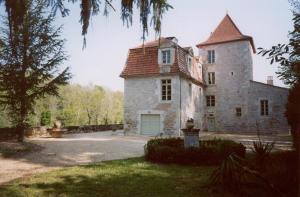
[{"x": 191, "y": 21}]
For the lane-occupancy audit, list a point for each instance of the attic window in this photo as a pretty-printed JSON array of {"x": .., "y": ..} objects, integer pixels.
[
  {"x": 166, "y": 56},
  {"x": 189, "y": 63}
]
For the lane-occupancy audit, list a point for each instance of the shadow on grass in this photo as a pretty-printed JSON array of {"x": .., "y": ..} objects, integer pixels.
[{"x": 132, "y": 177}]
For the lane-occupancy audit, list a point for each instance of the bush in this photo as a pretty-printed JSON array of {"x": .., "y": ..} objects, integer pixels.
[
  {"x": 45, "y": 118},
  {"x": 210, "y": 152}
]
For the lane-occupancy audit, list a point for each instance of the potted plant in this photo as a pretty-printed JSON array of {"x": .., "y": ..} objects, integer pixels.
[{"x": 56, "y": 130}]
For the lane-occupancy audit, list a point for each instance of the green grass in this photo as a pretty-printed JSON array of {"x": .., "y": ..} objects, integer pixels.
[{"x": 130, "y": 177}]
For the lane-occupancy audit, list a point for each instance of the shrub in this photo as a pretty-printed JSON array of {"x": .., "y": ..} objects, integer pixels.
[
  {"x": 210, "y": 152},
  {"x": 261, "y": 152},
  {"x": 45, "y": 118}
]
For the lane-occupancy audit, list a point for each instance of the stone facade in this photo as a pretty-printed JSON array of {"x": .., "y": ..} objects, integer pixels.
[
  {"x": 142, "y": 95},
  {"x": 234, "y": 88},
  {"x": 237, "y": 98},
  {"x": 275, "y": 122},
  {"x": 233, "y": 72}
]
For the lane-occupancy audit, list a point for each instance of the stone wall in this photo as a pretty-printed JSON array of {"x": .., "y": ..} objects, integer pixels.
[
  {"x": 191, "y": 103},
  {"x": 91, "y": 128},
  {"x": 233, "y": 72},
  {"x": 8, "y": 134},
  {"x": 142, "y": 96},
  {"x": 11, "y": 134},
  {"x": 276, "y": 121}
]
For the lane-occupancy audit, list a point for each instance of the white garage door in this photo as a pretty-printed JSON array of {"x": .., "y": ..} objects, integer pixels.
[{"x": 150, "y": 124}]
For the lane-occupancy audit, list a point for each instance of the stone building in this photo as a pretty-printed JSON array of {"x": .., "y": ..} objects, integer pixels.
[{"x": 165, "y": 84}]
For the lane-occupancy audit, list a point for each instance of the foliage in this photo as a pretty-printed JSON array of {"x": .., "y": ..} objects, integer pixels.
[
  {"x": 45, "y": 118},
  {"x": 79, "y": 105},
  {"x": 236, "y": 174},
  {"x": 151, "y": 11},
  {"x": 293, "y": 113},
  {"x": 287, "y": 55},
  {"x": 229, "y": 174},
  {"x": 30, "y": 60},
  {"x": 210, "y": 152},
  {"x": 261, "y": 152}
]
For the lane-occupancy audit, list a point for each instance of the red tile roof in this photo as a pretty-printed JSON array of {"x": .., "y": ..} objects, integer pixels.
[
  {"x": 227, "y": 31},
  {"x": 144, "y": 62}
]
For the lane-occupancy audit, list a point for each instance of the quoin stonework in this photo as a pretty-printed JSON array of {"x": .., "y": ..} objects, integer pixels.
[{"x": 165, "y": 84}]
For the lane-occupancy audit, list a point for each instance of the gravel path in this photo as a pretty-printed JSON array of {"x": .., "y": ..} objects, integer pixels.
[
  {"x": 75, "y": 149},
  {"x": 78, "y": 149}
]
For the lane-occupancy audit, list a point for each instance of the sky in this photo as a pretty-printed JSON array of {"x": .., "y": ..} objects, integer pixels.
[{"x": 191, "y": 21}]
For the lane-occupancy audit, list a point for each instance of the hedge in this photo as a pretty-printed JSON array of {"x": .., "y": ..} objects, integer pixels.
[{"x": 210, "y": 152}]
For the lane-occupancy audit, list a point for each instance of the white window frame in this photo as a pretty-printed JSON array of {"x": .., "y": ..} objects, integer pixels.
[
  {"x": 264, "y": 107},
  {"x": 211, "y": 56},
  {"x": 211, "y": 78},
  {"x": 166, "y": 90},
  {"x": 166, "y": 56},
  {"x": 210, "y": 101}
]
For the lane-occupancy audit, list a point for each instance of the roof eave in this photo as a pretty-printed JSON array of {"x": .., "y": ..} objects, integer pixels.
[{"x": 250, "y": 39}]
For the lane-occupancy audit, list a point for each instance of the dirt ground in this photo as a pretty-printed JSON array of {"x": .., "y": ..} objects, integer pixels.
[
  {"x": 79, "y": 149},
  {"x": 75, "y": 149}
]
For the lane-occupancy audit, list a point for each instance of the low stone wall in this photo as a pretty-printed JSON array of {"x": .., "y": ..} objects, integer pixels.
[
  {"x": 8, "y": 134},
  {"x": 11, "y": 134},
  {"x": 92, "y": 128}
]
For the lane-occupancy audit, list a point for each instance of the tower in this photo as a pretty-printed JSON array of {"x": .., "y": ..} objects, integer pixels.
[{"x": 227, "y": 68}]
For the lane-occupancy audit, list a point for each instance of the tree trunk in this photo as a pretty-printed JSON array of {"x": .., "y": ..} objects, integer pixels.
[
  {"x": 20, "y": 133},
  {"x": 297, "y": 147}
]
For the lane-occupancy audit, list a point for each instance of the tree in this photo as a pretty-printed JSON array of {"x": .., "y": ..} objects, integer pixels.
[
  {"x": 150, "y": 11},
  {"x": 30, "y": 62}
]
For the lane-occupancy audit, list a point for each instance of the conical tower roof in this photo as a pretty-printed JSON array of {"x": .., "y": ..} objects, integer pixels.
[{"x": 226, "y": 31}]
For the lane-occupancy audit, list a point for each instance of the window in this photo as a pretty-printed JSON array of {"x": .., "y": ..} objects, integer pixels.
[
  {"x": 166, "y": 56},
  {"x": 211, "y": 78},
  {"x": 238, "y": 111},
  {"x": 189, "y": 59},
  {"x": 166, "y": 90},
  {"x": 211, "y": 56},
  {"x": 210, "y": 101},
  {"x": 190, "y": 89},
  {"x": 264, "y": 107}
]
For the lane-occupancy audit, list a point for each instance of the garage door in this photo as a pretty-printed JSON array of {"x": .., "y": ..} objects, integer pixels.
[{"x": 150, "y": 124}]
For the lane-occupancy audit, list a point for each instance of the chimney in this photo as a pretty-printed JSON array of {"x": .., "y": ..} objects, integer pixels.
[{"x": 270, "y": 80}]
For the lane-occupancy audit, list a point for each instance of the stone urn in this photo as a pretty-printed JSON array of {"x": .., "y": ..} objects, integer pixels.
[
  {"x": 189, "y": 123},
  {"x": 56, "y": 130}
]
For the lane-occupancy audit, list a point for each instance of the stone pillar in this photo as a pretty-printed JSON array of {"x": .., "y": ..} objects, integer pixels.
[{"x": 191, "y": 138}]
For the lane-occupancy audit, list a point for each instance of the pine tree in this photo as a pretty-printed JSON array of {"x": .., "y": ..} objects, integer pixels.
[{"x": 30, "y": 60}]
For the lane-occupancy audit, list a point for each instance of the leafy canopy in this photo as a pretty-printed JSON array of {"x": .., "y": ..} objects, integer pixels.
[{"x": 151, "y": 11}]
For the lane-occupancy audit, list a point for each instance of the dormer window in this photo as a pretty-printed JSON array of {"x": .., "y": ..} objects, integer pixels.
[
  {"x": 211, "y": 56},
  {"x": 189, "y": 62},
  {"x": 166, "y": 56}
]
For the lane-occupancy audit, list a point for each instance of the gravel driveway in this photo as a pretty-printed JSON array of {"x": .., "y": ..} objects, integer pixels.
[
  {"x": 77, "y": 149},
  {"x": 72, "y": 149}
]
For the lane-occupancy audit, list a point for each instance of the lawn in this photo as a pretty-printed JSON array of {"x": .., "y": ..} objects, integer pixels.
[{"x": 130, "y": 177}]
